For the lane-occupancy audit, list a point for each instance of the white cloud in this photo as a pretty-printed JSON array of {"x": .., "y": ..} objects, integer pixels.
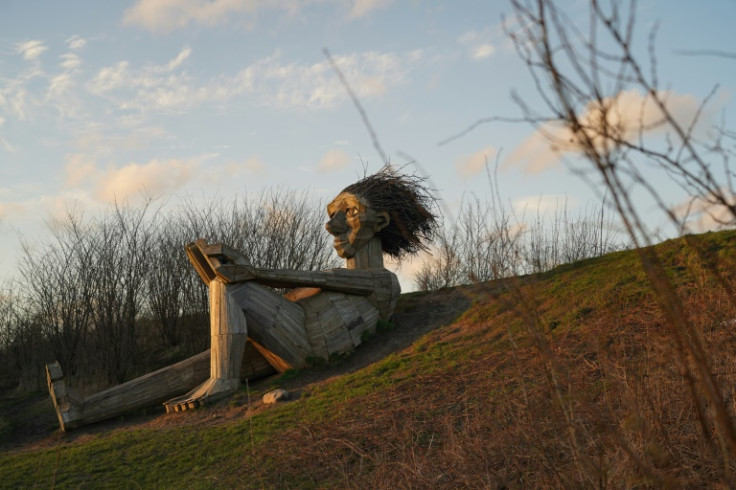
[
  {"x": 13, "y": 98},
  {"x": 60, "y": 93},
  {"x": 183, "y": 55},
  {"x": 79, "y": 168},
  {"x": 478, "y": 44},
  {"x": 333, "y": 160},
  {"x": 11, "y": 210},
  {"x": 483, "y": 51},
  {"x": 154, "y": 177},
  {"x": 316, "y": 85},
  {"x": 253, "y": 165},
  {"x": 472, "y": 165},
  {"x": 3, "y": 142},
  {"x": 163, "y": 16},
  {"x": 270, "y": 81},
  {"x": 58, "y": 85},
  {"x": 30, "y": 50},
  {"x": 6, "y": 146},
  {"x": 105, "y": 144},
  {"x": 76, "y": 42},
  {"x": 110, "y": 78},
  {"x": 70, "y": 61},
  {"x": 701, "y": 215},
  {"x": 629, "y": 114},
  {"x": 167, "y": 15},
  {"x": 85, "y": 175},
  {"x": 361, "y": 8}
]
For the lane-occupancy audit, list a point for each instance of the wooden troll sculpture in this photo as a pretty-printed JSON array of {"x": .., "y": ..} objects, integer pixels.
[{"x": 327, "y": 313}]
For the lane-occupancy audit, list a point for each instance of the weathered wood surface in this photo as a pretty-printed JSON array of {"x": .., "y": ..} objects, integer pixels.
[
  {"x": 228, "y": 336},
  {"x": 275, "y": 323},
  {"x": 228, "y": 328},
  {"x": 148, "y": 390},
  {"x": 329, "y": 313},
  {"x": 359, "y": 282}
]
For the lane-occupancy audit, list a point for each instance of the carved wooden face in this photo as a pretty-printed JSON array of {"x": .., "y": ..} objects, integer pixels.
[{"x": 353, "y": 222}]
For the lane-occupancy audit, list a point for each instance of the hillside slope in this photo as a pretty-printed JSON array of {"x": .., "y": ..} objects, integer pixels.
[{"x": 569, "y": 378}]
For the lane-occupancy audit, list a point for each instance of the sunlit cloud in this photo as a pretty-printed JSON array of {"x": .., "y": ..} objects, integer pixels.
[
  {"x": 11, "y": 210},
  {"x": 470, "y": 166},
  {"x": 30, "y": 50},
  {"x": 76, "y": 42},
  {"x": 107, "y": 144},
  {"x": 180, "y": 58},
  {"x": 110, "y": 78},
  {"x": 155, "y": 177},
  {"x": 333, "y": 160},
  {"x": 14, "y": 99},
  {"x": 252, "y": 165},
  {"x": 6, "y": 146},
  {"x": 112, "y": 182},
  {"x": 58, "y": 85},
  {"x": 164, "y": 16},
  {"x": 628, "y": 116},
  {"x": 483, "y": 51},
  {"x": 61, "y": 92},
  {"x": 478, "y": 44},
  {"x": 270, "y": 81},
  {"x": 3, "y": 142},
  {"x": 70, "y": 61},
  {"x": 361, "y": 8},
  {"x": 79, "y": 168},
  {"x": 701, "y": 215}
]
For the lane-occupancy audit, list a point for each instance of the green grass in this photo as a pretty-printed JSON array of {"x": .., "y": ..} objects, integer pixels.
[{"x": 467, "y": 396}]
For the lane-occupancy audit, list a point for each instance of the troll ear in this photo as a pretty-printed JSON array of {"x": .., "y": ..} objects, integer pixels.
[{"x": 382, "y": 221}]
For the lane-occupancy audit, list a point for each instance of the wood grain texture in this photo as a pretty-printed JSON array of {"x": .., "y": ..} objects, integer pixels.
[
  {"x": 252, "y": 328},
  {"x": 148, "y": 390}
]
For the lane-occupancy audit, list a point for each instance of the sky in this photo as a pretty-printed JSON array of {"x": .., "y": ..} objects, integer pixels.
[{"x": 108, "y": 101}]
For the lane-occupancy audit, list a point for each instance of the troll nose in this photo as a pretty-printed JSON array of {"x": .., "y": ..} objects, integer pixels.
[{"x": 336, "y": 225}]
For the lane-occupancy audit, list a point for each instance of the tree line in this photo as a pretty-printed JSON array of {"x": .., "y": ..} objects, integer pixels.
[
  {"x": 106, "y": 295},
  {"x": 112, "y": 297}
]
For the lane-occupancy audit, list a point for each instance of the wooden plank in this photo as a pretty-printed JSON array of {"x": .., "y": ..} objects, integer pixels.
[
  {"x": 148, "y": 390},
  {"x": 275, "y": 361},
  {"x": 315, "y": 335}
]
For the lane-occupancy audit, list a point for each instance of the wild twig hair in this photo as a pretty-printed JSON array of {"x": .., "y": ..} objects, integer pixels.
[{"x": 410, "y": 206}]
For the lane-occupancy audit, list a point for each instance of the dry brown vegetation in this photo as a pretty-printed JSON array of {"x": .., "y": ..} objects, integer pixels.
[
  {"x": 617, "y": 371},
  {"x": 568, "y": 378},
  {"x": 577, "y": 385},
  {"x": 112, "y": 297}
]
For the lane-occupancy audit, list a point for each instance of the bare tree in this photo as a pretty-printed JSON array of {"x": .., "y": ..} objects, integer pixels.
[
  {"x": 58, "y": 288},
  {"x": 584, "y": 73},
  {"x": 23, "y": 348},
  {"x": 174, "y": 295},
  {"x": 103, "y": 292},
  {"x": 487, "y": 242}
]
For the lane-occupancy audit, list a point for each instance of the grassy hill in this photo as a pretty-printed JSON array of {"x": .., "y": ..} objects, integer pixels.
[{"x": 569, "y": 378}]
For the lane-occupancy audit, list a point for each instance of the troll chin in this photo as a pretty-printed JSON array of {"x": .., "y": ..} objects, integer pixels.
[{"x": 344, "y": 248}]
